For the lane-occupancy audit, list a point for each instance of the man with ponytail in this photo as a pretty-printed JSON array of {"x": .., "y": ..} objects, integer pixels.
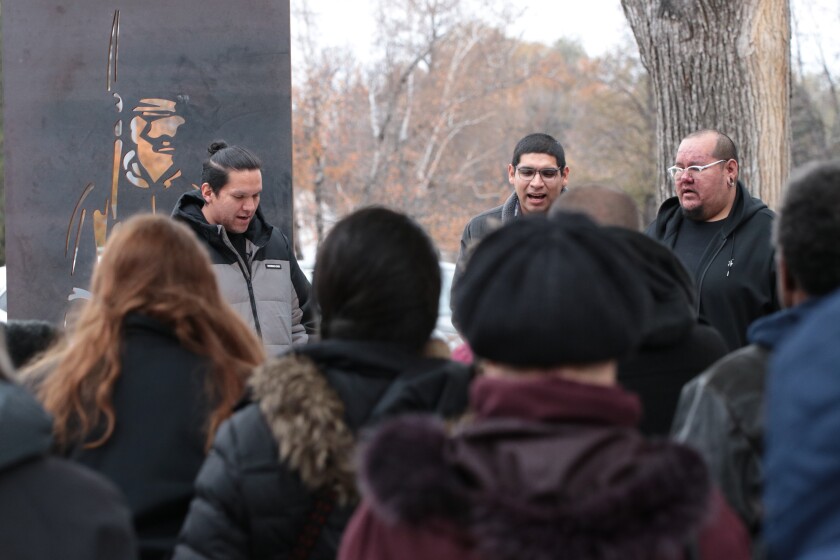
[{"x": 253, "y": 261}]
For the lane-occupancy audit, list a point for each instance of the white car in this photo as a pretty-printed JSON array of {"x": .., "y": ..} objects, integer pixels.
[{"x": 444, "y": 329}]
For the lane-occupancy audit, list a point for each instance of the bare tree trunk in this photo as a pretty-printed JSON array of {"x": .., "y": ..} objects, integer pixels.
[{"x": 723, "y": 65}]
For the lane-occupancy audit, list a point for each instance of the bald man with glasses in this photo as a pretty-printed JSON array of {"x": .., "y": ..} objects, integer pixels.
[
  {"x": 538, "y": 174},
  {"x": 721, "y": 234}
]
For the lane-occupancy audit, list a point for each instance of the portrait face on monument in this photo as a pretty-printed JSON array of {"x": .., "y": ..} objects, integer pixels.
[
  {"x": 126, "y": 100},
  {"x": 153, "y": 130}
]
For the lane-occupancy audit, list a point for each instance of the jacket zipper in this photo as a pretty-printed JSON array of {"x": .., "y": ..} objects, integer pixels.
[
  {"x": 253, "y": 304},
  {"x": 705, "y": 270},
  {"x": 246, "y": 273}
]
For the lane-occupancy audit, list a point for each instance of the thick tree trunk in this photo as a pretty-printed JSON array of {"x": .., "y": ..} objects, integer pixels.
[{"x": 722, "y": 64}]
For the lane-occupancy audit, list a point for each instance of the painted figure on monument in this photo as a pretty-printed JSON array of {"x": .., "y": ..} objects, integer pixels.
[
  {"x": 149, "y": 164},
  {"x": 143, "y": 164},
  {"x": 144, "y": 160}
]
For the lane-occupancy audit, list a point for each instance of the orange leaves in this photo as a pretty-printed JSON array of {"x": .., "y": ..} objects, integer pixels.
[{"x": 429, "y": 126}]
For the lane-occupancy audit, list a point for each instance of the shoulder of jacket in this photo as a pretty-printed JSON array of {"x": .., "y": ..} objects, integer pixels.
[
  {"x": 749, "y": 360},
  {"x": 480, "y": 225},
  {"x": 276, "y": 246},
  {"x": 666, "y": 213},
  {"x": 306, "y": 418},
  {"x": 487, "y": 214},
  {"x": 766, "y": 214},
  {"x": 758, "y": 224}
]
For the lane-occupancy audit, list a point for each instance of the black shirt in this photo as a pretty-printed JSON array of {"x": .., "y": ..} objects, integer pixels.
[
  {"x": 692, "y": 240},
  {"x": 240, "y": 244}
]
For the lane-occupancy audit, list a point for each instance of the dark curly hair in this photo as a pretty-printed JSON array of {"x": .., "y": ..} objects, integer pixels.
[{"x": 807, "y": 229}]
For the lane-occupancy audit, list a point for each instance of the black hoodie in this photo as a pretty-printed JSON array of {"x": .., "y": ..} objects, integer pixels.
[
  {"x": 736, "y": 277},
  {"x": 49, "y": 507},
  {"x": 675, "y": 346}
]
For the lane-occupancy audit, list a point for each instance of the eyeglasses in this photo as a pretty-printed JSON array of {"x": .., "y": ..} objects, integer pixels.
[
  {"x": 676, "y": 172},
  {"x": 548, "y": 174}
]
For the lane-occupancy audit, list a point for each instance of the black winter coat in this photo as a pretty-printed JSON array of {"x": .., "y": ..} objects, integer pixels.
[
  {"x": 736, "y": 277},
  {"x": 52, "y": 508},
  {"x": 274, "y": 457},
  {"x": 159, "y": 438},
  {"x": 675, "y": 347}
]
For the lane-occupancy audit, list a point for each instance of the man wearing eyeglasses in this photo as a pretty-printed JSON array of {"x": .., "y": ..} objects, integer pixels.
[
  {"x": 538, "y": 173},
  {"x": 721, "y": 234}
]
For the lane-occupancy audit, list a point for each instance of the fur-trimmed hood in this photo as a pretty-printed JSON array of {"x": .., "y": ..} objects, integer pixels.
[
  {"x": 522, "y": 488},
  {"x": 306, "y": 418},
  {"x": 316, "y": 399}
]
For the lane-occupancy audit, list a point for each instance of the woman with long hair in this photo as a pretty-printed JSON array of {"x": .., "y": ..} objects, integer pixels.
[{"x": 153, "y": 365}]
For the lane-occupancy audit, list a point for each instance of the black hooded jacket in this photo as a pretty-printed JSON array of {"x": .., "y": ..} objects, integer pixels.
[
  {"x": 675, "y": 347},
  {"x": 736, "y": 277},
  {"x": 273, "y": 461},
  {"x": 50, "y": 507}
]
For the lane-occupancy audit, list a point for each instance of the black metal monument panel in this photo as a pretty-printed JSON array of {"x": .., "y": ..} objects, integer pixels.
[{"x": 109, "y": 109}]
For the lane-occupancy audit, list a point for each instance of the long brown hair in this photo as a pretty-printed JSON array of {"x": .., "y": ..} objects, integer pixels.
[{"x": 154, "y": 266}]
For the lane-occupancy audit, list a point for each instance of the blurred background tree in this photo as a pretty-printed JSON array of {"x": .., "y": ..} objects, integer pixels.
[{"x": 426, "y": 123}]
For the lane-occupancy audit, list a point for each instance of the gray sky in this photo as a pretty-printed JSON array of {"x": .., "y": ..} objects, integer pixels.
[{"x": 599, "y": 25}]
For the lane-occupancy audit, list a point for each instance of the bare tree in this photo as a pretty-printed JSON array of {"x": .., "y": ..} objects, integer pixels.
[
  {"x": 323, "y": 84},
  {"x": 721, "y": 64}
]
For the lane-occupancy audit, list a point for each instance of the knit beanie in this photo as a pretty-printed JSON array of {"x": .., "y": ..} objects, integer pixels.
[{"x": 543, "y": 292}]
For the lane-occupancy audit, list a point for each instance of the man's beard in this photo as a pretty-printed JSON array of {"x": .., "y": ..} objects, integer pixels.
[{"x": 695, "y": 214}]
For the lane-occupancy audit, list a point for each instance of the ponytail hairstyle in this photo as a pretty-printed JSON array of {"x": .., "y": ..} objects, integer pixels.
[{"x": 224, "y": 159}]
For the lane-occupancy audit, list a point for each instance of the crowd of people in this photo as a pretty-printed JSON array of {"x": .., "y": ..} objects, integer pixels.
[{"x": 666, "y": 394}]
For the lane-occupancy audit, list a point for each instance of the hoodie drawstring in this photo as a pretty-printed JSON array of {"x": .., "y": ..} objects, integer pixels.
[{"x": 731, "y": 261}]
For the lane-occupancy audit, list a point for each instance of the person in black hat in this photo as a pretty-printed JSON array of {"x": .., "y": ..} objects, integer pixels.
[
  {"x": 675, "y": 346},
  {"x": 551, "y": 460}
]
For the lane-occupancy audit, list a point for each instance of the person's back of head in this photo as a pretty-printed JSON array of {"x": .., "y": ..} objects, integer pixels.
[
  {"x": 541, "y": 292},
  {"x": 807, "y": 228},
  {"x": 605, "y": 205},
  {"x": 669, "y": 283},
  {"x": 377, "y": 278}
]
